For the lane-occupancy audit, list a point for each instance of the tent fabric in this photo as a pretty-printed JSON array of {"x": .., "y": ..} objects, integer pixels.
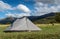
[{"x": 23, "y": 24}]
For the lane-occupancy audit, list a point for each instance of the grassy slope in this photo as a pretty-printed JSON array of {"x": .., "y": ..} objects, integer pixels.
[{"x": 48, "y": 32}]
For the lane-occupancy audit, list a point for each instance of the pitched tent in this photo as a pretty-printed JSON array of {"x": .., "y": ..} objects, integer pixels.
[{"x": 22, "y": 24}]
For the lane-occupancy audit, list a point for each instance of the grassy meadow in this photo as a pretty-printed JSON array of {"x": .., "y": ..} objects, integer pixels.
[{"x": 48, "y": 32}]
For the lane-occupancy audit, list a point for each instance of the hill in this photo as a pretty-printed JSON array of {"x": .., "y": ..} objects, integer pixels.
[
  {"x": 51, "y": 19},
  {"x": 9, "y": 20}
]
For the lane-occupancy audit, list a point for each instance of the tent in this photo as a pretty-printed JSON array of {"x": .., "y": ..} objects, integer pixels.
[{"x": 22, "y": 24}]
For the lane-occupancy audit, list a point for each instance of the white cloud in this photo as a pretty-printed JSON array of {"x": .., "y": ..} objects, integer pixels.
[
  {"x": 42, "y": 8},
  {"x": 23, "y": 8},
  {"x": 39, "y": 4},
  {"x": 46, "y": 1},
  {"x": 17, "y": 15},
  {"x": 10, "y": 15},
  {"x": 57, "y": 2},
  {"x": 21, "y": 15},
  {"x": 4, "y": 6}
]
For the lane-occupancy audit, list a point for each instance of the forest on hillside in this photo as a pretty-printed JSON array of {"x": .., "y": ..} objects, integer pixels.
[{"x": 51, "y": 19}]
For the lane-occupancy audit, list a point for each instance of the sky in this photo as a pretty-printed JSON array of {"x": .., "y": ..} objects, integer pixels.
[{"x": 18, "y": 8}]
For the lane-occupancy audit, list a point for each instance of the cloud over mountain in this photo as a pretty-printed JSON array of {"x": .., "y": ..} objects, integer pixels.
[
  {"x": 17, "y": 15},
  {"x": 41, "y": 8},
  {"x": 5, "y": 7}
]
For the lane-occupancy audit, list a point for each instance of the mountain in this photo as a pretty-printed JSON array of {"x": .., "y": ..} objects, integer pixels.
[
  {"x": 7, "y": 20},
  {"x": 32, "y": 18}
]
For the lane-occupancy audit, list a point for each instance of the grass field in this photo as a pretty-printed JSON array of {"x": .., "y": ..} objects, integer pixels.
[{"x": 48, "y": 32}]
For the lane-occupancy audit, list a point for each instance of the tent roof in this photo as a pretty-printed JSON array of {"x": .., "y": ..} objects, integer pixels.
[{"x": 23, "y": 24}]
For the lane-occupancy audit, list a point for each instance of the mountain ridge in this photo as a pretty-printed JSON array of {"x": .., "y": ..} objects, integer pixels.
[{"x": 32, "y": 18}]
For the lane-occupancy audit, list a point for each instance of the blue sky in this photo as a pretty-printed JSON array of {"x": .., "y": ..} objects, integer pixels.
[
  {"x": 28, "y": 3},
  {"x": 15, "y": 3},
  {"x": 17, "y": 8}
]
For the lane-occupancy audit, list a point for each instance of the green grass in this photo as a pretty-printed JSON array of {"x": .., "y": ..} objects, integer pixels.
[{"x": 48, "y": 32}]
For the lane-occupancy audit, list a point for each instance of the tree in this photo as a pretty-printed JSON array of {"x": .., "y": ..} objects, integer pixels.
[{"x": 57, "y": 17}]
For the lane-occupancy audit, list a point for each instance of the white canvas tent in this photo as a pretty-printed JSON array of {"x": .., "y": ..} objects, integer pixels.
[{"x": 22, "y": 24}]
